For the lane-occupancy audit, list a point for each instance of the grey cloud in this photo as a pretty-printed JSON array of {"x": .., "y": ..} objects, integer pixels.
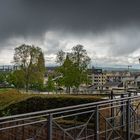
[
  {"x": 53, "y": 46},
  {"x": 111, "y": 61},
  {"x": 80, "y": 18},
  {"x": 125, "y": 41},
  {"x": 34, "y": 17}
]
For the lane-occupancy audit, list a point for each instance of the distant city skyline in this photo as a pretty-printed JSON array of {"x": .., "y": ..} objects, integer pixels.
[{"x": 109, "y": 30}]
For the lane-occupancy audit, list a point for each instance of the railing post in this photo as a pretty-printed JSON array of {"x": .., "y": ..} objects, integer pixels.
[
  {"x": 122, "y": 112},
  {"x": 23, "y": 133},
  {"x": 97, "y": 123},
  {"x": 128, "y": 119},
  {"x": 112, "y": 109},
  {"x": 49, "y": 129},
  {"x": 111, "y": 94}
]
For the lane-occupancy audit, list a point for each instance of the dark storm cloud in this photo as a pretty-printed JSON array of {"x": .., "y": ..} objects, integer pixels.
[{"x": 35, "y": 17}]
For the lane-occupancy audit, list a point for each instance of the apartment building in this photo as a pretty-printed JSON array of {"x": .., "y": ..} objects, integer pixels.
[
  {"x": 113, "y": 77},
  {"x": 98, "y": 78}
]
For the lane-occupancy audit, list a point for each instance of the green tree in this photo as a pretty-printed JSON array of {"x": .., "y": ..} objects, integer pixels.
[
  {"x": 17, "y": 79},
  {"x": 30, "y": 60},
  {"x": 60, "y": 57},
  {"x": 80, "y": 57},
  {"x": 81, "y": 60},
  {"x": 38, "y": 71},
  {"x": 2, "y": 77},
  {"x": 74, "y": 68},
  {"x": 50, "y": 84},
  {"x": 68, "y": 71}
]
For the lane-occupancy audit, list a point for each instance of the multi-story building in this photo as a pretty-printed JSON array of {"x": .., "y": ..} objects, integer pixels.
[
  {"x": 101, "y": 78},
  {"x": 98, "y": 78},
  {"x": 115, "y": 76}
]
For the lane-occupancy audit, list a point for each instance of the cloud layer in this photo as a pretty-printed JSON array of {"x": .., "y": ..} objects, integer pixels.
[{"x": 109, "y": 30}]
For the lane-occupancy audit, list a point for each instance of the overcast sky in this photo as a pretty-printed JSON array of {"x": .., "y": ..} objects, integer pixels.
[{"x": 108, "y": 29}]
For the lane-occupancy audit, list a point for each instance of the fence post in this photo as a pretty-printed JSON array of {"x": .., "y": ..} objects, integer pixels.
[
  {"x": 128, "y": 119},
  {"x": 112, "y": 109},
  {"x": 122, "y": 112},
  {"x": 112, "y": 113},
  {"x": 97, "y": 123},
  {"x": 49, "y": 129}
]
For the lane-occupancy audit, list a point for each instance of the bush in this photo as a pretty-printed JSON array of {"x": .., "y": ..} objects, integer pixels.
[{"x": 38, "y": 103}]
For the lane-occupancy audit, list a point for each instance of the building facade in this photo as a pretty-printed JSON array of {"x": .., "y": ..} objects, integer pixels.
[{"x": 98, "y": 78}]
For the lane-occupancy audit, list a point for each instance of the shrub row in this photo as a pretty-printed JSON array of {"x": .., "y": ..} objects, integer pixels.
[{"x": 38, "y": 103}]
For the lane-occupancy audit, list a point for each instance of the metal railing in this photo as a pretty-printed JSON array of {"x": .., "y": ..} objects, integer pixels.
[{"x": 115, "y": 119}]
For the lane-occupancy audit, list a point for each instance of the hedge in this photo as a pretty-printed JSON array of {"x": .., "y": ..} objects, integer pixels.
[{"x": 38, "y": 103}]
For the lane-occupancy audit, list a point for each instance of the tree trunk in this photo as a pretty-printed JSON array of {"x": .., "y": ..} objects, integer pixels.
[
  {"x": 27, "y": 83},
  {"x": 68, "y": 90},
  {"x": 27, "y": 86}
]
